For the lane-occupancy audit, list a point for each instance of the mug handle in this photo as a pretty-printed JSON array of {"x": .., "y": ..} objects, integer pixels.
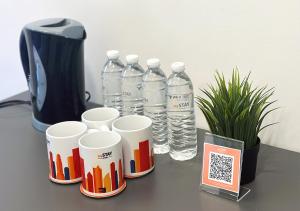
[
  {"x": 100, "y": 128},
  {"x": 89, "y": 131},
  {"x": 103, "y": 128}
]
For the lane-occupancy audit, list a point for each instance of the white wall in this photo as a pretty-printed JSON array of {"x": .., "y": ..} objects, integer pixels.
[{"x": 261, "y": 36}]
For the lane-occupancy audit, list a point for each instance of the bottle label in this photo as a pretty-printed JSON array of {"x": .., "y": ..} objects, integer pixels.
[
  {"x": 111, "y": 84},
  {"x": 153, "y": 97},
  {"x": 180, "y": 102},
  {"x": 131, "y": 90}
]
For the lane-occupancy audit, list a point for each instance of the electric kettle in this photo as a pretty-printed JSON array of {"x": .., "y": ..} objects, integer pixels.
[{"x": 52, "y": 55}]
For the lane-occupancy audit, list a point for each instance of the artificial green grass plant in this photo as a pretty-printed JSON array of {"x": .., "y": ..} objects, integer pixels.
[{"x": 236, "y": 110}]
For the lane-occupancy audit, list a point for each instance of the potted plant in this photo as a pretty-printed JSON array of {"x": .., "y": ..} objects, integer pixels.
[{"x": 237, "y": 110}]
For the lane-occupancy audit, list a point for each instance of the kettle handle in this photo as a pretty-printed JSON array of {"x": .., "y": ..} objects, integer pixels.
[{"x": 24, "y": 56}]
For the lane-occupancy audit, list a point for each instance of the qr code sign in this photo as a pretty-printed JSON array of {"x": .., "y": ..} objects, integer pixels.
[{"x": 221, "y": 167}]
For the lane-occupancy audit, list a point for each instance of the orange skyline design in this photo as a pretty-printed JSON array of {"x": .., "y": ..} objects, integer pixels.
[
  {"x": 143, "y": 160},
  {"x": 58, "y": 171},
  {"x": 95, "y": 182}
]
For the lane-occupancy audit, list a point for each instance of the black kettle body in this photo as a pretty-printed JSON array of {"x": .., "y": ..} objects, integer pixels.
[{"x": 52, "y": 55}]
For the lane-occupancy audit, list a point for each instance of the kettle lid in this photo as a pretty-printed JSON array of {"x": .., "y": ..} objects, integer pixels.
[{"x": 64, "y": 27}]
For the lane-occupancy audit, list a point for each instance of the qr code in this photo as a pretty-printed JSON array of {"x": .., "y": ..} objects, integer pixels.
[{"x": 220, "y": 167}]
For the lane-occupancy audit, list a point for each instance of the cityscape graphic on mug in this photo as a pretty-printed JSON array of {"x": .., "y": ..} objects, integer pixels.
[
  {"x": 143, "y": 160},
  {"x": 95, "y": 182},
  {"x": 72, "y": 171}
]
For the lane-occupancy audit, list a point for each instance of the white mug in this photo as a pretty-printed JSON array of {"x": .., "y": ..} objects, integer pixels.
[
  {"x": 100, "y": 118},
  {"x": 136, "y": 134},
  {"x": 63, "y": 151},
  {"x": 101, "y": 164}
]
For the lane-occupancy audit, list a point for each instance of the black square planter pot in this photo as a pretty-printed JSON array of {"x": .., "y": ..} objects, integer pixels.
[{"x": 249, "y": 164}]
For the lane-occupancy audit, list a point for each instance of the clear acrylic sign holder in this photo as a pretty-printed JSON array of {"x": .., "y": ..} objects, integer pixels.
[{"x": 222, "y": 167}]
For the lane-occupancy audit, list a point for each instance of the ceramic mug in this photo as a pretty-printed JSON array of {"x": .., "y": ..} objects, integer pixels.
[
  {"x": 101, "y": 164},
  {"x": 100, "y": 118},
  {"x": 136, "y": 134},
  {"x": 63, "y": 151}
]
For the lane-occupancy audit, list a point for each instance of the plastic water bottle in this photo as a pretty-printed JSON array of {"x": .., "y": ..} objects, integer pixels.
[
  {"x": 182, "y": 135},
  {"x": 132, "y": 86},
  {"x": 111, "y": 81},
  {"x": 155, "y": 104}
]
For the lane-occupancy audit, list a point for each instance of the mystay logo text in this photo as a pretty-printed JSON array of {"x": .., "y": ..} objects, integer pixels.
[{"x": 105, "y": 155}]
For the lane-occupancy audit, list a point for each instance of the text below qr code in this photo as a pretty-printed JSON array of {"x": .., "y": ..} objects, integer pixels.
[{"x": 220, "y": 167}]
